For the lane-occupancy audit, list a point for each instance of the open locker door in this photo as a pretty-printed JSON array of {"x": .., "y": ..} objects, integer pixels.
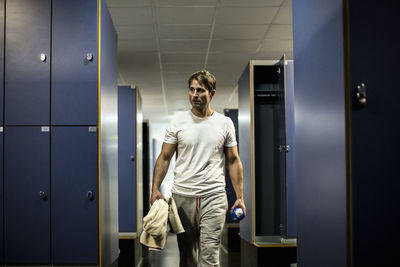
[{"x": 283, "y": 147}]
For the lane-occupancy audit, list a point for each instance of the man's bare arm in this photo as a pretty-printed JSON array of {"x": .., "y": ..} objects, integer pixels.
[
  {"x": 235, "y": 169},
  {"x": 160, "y": 170}
]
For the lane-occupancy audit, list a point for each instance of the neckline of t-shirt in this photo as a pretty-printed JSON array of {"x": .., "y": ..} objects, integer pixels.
[{"x": 201, "y": 118}]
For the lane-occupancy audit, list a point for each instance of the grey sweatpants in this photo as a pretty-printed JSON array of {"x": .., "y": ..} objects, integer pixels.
[{"x": 203, "y": 219}]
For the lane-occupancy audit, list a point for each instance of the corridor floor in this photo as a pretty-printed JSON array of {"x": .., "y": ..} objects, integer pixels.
[{"x": 169, "y": 256}]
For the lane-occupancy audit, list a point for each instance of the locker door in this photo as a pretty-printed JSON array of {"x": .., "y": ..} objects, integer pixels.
[
  {"x": 75, "y": 196},
  {"x": 27, "y": 195},
  {"x": 1, "y": 61},
  {"x": 74, "y": 72},
  {"x": 127, "y": 159},
  {"x": 1, "y": 197},
  {"x": 283, "y": 149},
  {"x": 230, "y": 191},
  {"x": 27, "y": 57}
]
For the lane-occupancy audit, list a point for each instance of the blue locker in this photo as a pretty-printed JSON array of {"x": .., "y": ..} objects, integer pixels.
[
  {"x": 1, "y": 198},
  {"x": 127, "y": 159},
  {"x": 27, "y": 195},
  {"x": 320, "y": 133},
  {"x": 1, "y": 65},
  {"x": 27, "y": 62},
  {"x": 74, "y": 214},
  {"x": 74, "y": 63}
]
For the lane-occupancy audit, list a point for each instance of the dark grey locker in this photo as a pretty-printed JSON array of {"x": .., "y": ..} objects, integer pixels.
[
  {"x": 26, "y": 195},
  {"x": 27, "y": 62},
  {"x": 74, "y": 214},
  {"x": 1, "y": 198},
  {"x": 74, "y": 63},
  {"x": 127, "y": 159}
]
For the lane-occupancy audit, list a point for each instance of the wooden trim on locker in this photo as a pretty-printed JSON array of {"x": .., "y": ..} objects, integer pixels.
[
  {"x": 252, "y": 149},
  {"x": 349, "y": 164},
  {"x": 275, "y": 245},
  {"x": 136, "y": 161},
  {"x": 99, "y": 125},
  {"x": 127, "y": 235}
]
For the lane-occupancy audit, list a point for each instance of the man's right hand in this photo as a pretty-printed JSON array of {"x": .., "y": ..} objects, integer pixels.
[{"x": 156, "y": 194}]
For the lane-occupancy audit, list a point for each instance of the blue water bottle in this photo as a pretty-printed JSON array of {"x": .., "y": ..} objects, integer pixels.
[{"x": 237, "y": 214}]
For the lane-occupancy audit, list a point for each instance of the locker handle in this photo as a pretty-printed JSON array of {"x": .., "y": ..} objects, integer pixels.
[
  {"x": 132, "y": 158},
  {"x": 42, "y": 195},
  {"x": 90, "y": 195}
]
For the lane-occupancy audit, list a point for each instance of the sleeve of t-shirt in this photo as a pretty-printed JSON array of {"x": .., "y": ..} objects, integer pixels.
[
  {"x": 230, "y": 139},
  {"x": 170, "y": 134}
]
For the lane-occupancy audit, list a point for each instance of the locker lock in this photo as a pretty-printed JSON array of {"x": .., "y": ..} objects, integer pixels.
[
  {"x": 90, "y": 195},
  {"x": 132, "y": 158},
  {"x": 361, "y": 95},
  {"x": 89, "y": 57},
  {"x": 42, "y": 195},
  {"x": 43, "y": 57}
]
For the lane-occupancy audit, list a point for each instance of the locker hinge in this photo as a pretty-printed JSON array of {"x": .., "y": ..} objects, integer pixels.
[
  {"x": 284, "y": 148},
  {"x": 361, "y": 95}
]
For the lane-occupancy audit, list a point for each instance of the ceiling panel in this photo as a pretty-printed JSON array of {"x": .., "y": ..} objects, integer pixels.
[
  {"x": 239, "y": 32},
  {"x": 184, "y": 15},
  {"x": 131, "y": 16},
  {"x": 277, "y": 45},
  {"x": 271, "y": 55},
  {"x": 184, "y": 31},
  {"x": 177, "y": 78},
  {"x": 128, "y": 3},
  {"x": 183, "y": 45},
  {"x": 244, "y": 15},
  {"x": 228, "y": 74},
  {"x": 231, "y": 58},
  {"x": 137, "y": 45},
  {"x": 180, "y": 87},
  {"x": 183, "y": 58},
  {"x": 280, "y": 32},
  {"x": 252, "y": 3},
  {"x": 135, "y": 32},
  {"x": 185, "y": 2},
  {"x": 234, "y": 45},
  {"x": 138, "y": 57},
  {"x": 285, "y": 13},
  {"x": 179, "y": 68}
]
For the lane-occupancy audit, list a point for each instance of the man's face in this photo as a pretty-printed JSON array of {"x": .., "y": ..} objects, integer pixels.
[{"x": 199, "y": 96}]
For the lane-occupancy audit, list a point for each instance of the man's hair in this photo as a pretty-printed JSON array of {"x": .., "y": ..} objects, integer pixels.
[{"x": 205, "y": 78}]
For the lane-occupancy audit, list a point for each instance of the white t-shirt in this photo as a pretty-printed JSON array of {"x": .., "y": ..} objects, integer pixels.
[{"x": 200, "y": 163}]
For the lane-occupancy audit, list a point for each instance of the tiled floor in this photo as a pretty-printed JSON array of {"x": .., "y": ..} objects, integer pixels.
[{"x": 169, "y": 256}]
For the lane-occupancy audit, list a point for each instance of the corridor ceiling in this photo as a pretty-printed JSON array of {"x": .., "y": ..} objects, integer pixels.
[{"x": 161, "y": 42}]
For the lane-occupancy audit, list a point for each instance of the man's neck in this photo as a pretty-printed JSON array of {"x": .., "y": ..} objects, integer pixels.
[{"x": 202, "y": 113}]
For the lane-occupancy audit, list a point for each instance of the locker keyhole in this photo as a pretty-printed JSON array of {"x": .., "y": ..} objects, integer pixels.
[
  {"x": 90, "y": 195},
  {"x": 42, "y": 195}
]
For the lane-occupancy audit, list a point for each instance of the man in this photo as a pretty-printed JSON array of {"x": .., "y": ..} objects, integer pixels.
[{"x": 202, "y": 139}]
